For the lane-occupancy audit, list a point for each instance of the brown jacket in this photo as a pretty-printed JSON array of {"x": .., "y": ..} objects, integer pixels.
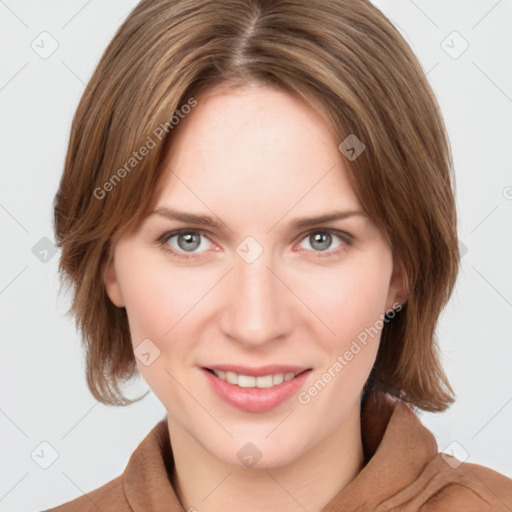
[{"x": 404, "y": 472}]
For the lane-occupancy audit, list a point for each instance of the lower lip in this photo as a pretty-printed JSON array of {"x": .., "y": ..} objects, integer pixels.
[{"x": 255, "y": 399}]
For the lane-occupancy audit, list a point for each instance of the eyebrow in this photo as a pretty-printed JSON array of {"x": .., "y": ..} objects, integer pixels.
[
  {"x": 191, "y": 218},
  {"x": 215, "y": 222},
  {"x": 304, "y": 222}
]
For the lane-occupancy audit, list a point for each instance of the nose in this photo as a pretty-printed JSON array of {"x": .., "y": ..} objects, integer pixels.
[{"x": 255, "y": 304}]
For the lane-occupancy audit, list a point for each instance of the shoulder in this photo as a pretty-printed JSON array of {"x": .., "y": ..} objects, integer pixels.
[
  {"x": 420, "y": 478},
  {"x": 145, "y": 477},
  {"x": 448, "y": 484},
  {"x": 107, "y": 498}
]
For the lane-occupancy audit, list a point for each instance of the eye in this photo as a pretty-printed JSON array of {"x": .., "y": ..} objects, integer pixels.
[
  {"x": 322, "y": 241},
  {"x": 184, "y": 241}
]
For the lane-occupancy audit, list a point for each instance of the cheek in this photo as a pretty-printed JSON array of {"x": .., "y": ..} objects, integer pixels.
[
  {"x": 352, "y": 299},
  {"x": 155, "y": 295},
  {"x": 154, "y": 304},
  {"x": 354, "y": 305},
  {"x": 146, "y": 302},
  {"x": 161, "y": 305}
]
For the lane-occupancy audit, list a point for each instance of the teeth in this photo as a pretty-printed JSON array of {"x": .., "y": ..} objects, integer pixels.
[
  {"x": 278, "y": 379},
  {"x": 231, "y": 377},
  {"x": 247, "y": 381},
  {"x": 266, "y": 381}
]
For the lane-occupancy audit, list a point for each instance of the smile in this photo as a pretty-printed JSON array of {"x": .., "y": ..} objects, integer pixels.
[
  {"x": 249, "y": 381},
  {"x": 255, "y": 393}
]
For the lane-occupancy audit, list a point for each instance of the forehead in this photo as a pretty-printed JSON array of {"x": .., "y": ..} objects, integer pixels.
[
  {"x": 257, "y": 149},
  {"x": 253, "y": 120}
]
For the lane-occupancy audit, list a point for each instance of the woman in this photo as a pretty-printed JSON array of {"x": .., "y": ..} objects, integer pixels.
[{"x": 257, "y": 215}]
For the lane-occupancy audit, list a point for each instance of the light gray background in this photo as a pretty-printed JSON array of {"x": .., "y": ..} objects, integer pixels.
[{"x": 43, "y": 392}]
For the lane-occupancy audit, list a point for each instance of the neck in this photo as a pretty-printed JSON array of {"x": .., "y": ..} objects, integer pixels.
[{"x": 203, "y": 482}]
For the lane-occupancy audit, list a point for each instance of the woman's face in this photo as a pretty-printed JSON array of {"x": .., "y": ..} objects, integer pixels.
[{"x": 261, "y": 289}]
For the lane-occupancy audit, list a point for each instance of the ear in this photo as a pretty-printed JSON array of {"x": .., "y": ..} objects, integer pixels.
[
  {"x": 112, "y": 284},
  {"x": 398, "y": 287}
]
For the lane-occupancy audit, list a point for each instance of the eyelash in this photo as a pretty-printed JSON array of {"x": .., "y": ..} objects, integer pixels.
[{"x": 162, "y": 242}]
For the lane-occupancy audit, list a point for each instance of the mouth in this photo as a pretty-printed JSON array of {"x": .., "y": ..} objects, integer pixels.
[
  {"x": 255, "y": 393},
  {"x": 242, "y": 380}
]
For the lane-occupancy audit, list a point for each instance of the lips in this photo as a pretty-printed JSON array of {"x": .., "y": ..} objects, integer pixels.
[{"x": 254, "y": 399}]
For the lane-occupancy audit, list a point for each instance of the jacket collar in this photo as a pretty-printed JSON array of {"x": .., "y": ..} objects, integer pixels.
[{"x": 397, "y": 448}]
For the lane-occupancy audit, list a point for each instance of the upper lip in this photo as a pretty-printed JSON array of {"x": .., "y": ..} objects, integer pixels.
[{"x": 259, "y": 371}]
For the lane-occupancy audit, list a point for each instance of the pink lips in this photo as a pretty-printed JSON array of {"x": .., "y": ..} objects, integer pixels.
[{"x": 256, "y": 399}]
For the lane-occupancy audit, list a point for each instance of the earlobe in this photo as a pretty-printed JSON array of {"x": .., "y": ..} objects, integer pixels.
[
  {"x": 398, "y": 288},
  {"x": 112, "y": 284}
]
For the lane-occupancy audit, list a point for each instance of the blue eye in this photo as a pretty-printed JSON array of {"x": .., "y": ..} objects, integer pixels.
[{"x": 185, "y": 242}]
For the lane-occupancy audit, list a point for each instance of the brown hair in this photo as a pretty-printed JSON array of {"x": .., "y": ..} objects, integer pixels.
[{"x": 343, "y": 57}]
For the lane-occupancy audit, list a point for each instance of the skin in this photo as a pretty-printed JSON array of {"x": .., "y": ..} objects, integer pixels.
[{"x": 256, "y": 158}]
